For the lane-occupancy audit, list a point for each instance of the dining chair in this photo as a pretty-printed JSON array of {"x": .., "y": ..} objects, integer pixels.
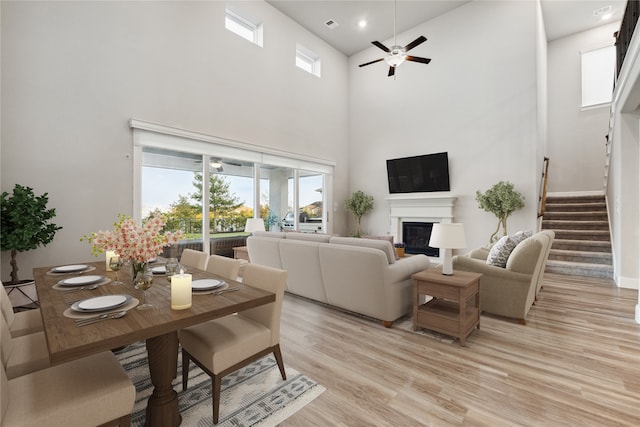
[
  {"x": 22, "y": 322},
  {"x": 92, "y": 391},
  {"x": 224, "y": 345},
  {"x": 24, "y": 354},
  {"x": 224, "y": 266},
  {"x": 193, "y": 258}
]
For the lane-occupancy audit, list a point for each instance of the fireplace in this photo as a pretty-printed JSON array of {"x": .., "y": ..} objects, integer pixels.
[
  {"x": 415, "y": 236},
  {"x": 411, "y": 218}
]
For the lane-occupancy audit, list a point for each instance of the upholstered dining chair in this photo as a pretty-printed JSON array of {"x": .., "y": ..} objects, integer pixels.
[
  {"x": 21, "y": 323},
  {"x": 24, "y": 354},
  {"x": 224, "y": 345},
  {"x": 224, "y": 266},
  {"x": 92, "y": 391},
  {"x": 193, "y": 258}
]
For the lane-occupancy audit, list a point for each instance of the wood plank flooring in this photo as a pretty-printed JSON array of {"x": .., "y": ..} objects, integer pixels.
[{"x": 575, "y": 363}]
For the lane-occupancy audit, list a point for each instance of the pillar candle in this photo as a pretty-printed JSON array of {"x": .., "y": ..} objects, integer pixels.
[
  {"x": 180, "y": 291},
  {"x": 109, "y": 255}
]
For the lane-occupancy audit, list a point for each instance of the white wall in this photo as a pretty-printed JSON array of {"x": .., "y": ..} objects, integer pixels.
[
  {"x": 477, "y": 100},
  {"x": 74, "y": 73},
  {"x": 576, "y": 138}
]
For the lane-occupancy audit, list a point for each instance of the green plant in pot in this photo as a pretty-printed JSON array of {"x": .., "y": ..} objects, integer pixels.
[
  {"x": 501, "y": 200},
  {"x": 25, "y": 224},
  {"x": 359, "y": 204}
]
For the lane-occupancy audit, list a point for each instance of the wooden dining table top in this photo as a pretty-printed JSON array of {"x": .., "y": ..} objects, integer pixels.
[{"x": 67, "y": 341}]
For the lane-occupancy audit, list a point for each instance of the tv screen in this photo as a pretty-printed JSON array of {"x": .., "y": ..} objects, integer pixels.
[{"x": 418, "y": 174}]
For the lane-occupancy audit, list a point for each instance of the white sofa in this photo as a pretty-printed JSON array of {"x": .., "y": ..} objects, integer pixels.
[{"x": 358, "y": 275}]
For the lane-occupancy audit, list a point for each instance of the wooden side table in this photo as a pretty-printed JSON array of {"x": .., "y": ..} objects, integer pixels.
[{"x": 448, "y": 312}]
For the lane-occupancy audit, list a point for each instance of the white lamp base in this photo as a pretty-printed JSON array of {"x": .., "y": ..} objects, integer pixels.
[{"x": 447, "y": 265}]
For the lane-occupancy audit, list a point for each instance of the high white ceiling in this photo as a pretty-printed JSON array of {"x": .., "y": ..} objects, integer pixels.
[{"x": 561, "y": 17}]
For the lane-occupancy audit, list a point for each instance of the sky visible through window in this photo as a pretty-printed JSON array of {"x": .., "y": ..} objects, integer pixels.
[{"x": 161, "y": 188}]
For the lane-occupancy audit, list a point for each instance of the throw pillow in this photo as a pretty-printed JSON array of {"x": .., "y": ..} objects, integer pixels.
[
  {"x": 521, "y": 236},
  {"x": 500, "y": 252}
]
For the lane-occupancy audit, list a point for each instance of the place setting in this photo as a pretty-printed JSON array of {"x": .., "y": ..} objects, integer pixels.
[
  {"x": 70, "y": 269},
  {"x": 79, "y": 283},
  {"x": 210, "y": 286},
  {"x": 96, "y": 309}
]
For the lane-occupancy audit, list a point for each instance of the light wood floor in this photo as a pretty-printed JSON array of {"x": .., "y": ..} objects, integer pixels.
[{"x": 575, "y": 363}]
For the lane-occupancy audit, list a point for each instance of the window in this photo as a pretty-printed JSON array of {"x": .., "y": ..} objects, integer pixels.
[
  {"x": 307, "y": 60},
  {"x": 598, "y": 74},
  {"x": 175, "y": 168},
  {"x": 244, "y": 27}
]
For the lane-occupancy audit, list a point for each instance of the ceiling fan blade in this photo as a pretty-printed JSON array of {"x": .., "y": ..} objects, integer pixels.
[
  {"x": 417, "y": 59},
  {"x": 392, "y": 71},
  {"x": 381, "y": 46},
  {"x": 415, "y": 43},
  {"x": 372, "y": 62}
]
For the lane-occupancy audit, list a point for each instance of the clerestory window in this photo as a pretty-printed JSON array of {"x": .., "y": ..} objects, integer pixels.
[{"x": 244, "y": 27}]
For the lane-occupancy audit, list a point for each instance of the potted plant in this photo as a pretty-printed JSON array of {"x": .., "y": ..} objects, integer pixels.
[
  {"x": 501, "y": 200},
  {"x": 359, "y": 203},
  {"x": 399, "y": 249},
  {"x": 25, "y": 224}
]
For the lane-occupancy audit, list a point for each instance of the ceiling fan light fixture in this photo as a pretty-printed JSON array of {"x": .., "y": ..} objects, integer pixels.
[
  {"x": 394, "y": 59},
  {"x": 215, "y": 164}
]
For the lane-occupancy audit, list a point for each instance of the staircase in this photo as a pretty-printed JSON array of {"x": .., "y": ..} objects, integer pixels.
[{"x": 582, "y": 246}]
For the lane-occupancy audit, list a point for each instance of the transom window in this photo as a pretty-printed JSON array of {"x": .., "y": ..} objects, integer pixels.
[
  {"x": 307, "y": 60},
  {"x": 243, "y": 27}
]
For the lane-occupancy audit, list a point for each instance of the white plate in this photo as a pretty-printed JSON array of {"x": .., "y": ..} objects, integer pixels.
[
  {"x": 206, "y": 284},
  {"x": 159, "y": 270},
  {"x": 70, "y": 268},
  {"x": 81, "y": 280},
  {"x": 103, "y": 303}
]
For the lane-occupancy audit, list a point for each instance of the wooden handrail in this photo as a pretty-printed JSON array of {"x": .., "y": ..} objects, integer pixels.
[{"x": 543, "y": 196}]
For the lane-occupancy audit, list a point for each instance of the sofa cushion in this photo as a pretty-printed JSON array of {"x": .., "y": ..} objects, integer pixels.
[
  {"x": 274, "y": 234},
  {"x": 388, "y": 237},
  {"x": 524, "y": 257},
  {"x": 499, "y": 253},
  {"x": 383, "y": 245},
  {"x": 310, "y": 237}
]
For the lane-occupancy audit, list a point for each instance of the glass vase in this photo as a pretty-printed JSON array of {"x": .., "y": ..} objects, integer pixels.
[{"x": 137, "y": 268}]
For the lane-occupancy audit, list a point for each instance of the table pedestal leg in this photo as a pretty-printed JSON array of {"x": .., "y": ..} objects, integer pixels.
[{"x": 162, "y": 406}]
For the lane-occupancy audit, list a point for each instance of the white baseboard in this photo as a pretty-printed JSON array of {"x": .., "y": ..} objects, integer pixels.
[
  {"x": 627, "y": 282},
  {"x": 637, "y": 313}
]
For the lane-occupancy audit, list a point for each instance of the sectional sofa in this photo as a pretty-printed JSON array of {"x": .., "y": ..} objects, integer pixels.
[{"x": 358, "y": 275}]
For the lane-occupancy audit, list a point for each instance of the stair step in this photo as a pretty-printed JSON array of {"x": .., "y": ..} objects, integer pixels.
[
  {"x": 577, "y": 215},
  {"x": 582, "y": 245},
  {"x": 575, "y": 225},
  {"x": 574, "y": 207},
  {"x": 579, "y": 269},
  {"x": 605, "y": 258},
  {"x": 599, "y": 235},
  {"x": 576, "y": 199}
]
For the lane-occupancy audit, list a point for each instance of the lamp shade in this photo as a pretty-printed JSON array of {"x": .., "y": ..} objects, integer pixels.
[
  {"x": 448, "y": 236},
  {"x": 254, "y": 224}
]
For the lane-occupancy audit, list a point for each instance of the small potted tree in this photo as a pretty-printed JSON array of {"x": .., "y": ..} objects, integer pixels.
[
  {"x": 25, "y": 224},
  {"x": 359, "y": 203},
  {"x": 501, "y": 200}
]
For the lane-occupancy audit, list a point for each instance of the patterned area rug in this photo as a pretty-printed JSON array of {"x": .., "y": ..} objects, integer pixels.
[
  {"x": 406, "y": 323},
  {"x": 253, "y": 396}
]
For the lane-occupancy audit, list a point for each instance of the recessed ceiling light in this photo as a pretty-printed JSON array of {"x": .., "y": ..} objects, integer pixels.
[{"x": 362, "y": 23}]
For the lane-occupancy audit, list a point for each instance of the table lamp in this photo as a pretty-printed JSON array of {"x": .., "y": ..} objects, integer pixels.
[
  {"x": 254, "y": 224},
  {"x": 447, "y": 237}
]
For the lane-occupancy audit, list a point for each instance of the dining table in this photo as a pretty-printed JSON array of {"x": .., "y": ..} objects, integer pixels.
[{"x": 157, "y": 325}]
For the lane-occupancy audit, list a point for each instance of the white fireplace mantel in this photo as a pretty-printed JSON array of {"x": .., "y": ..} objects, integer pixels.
[{"x": 418, "y": 208}]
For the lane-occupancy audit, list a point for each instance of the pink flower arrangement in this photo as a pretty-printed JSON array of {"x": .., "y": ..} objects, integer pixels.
[{"x": 132, "y": 242}]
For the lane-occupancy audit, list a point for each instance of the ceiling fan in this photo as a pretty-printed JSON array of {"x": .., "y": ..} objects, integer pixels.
[{"x": 398, "y": 54}]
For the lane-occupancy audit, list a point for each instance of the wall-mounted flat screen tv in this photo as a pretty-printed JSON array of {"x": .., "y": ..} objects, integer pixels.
[{"x": 417, "y": 174}]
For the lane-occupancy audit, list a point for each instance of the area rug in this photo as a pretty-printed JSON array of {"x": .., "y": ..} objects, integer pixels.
[
  {"x": 252, "y": 396},
  {"x": 406, "y": 324}
]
